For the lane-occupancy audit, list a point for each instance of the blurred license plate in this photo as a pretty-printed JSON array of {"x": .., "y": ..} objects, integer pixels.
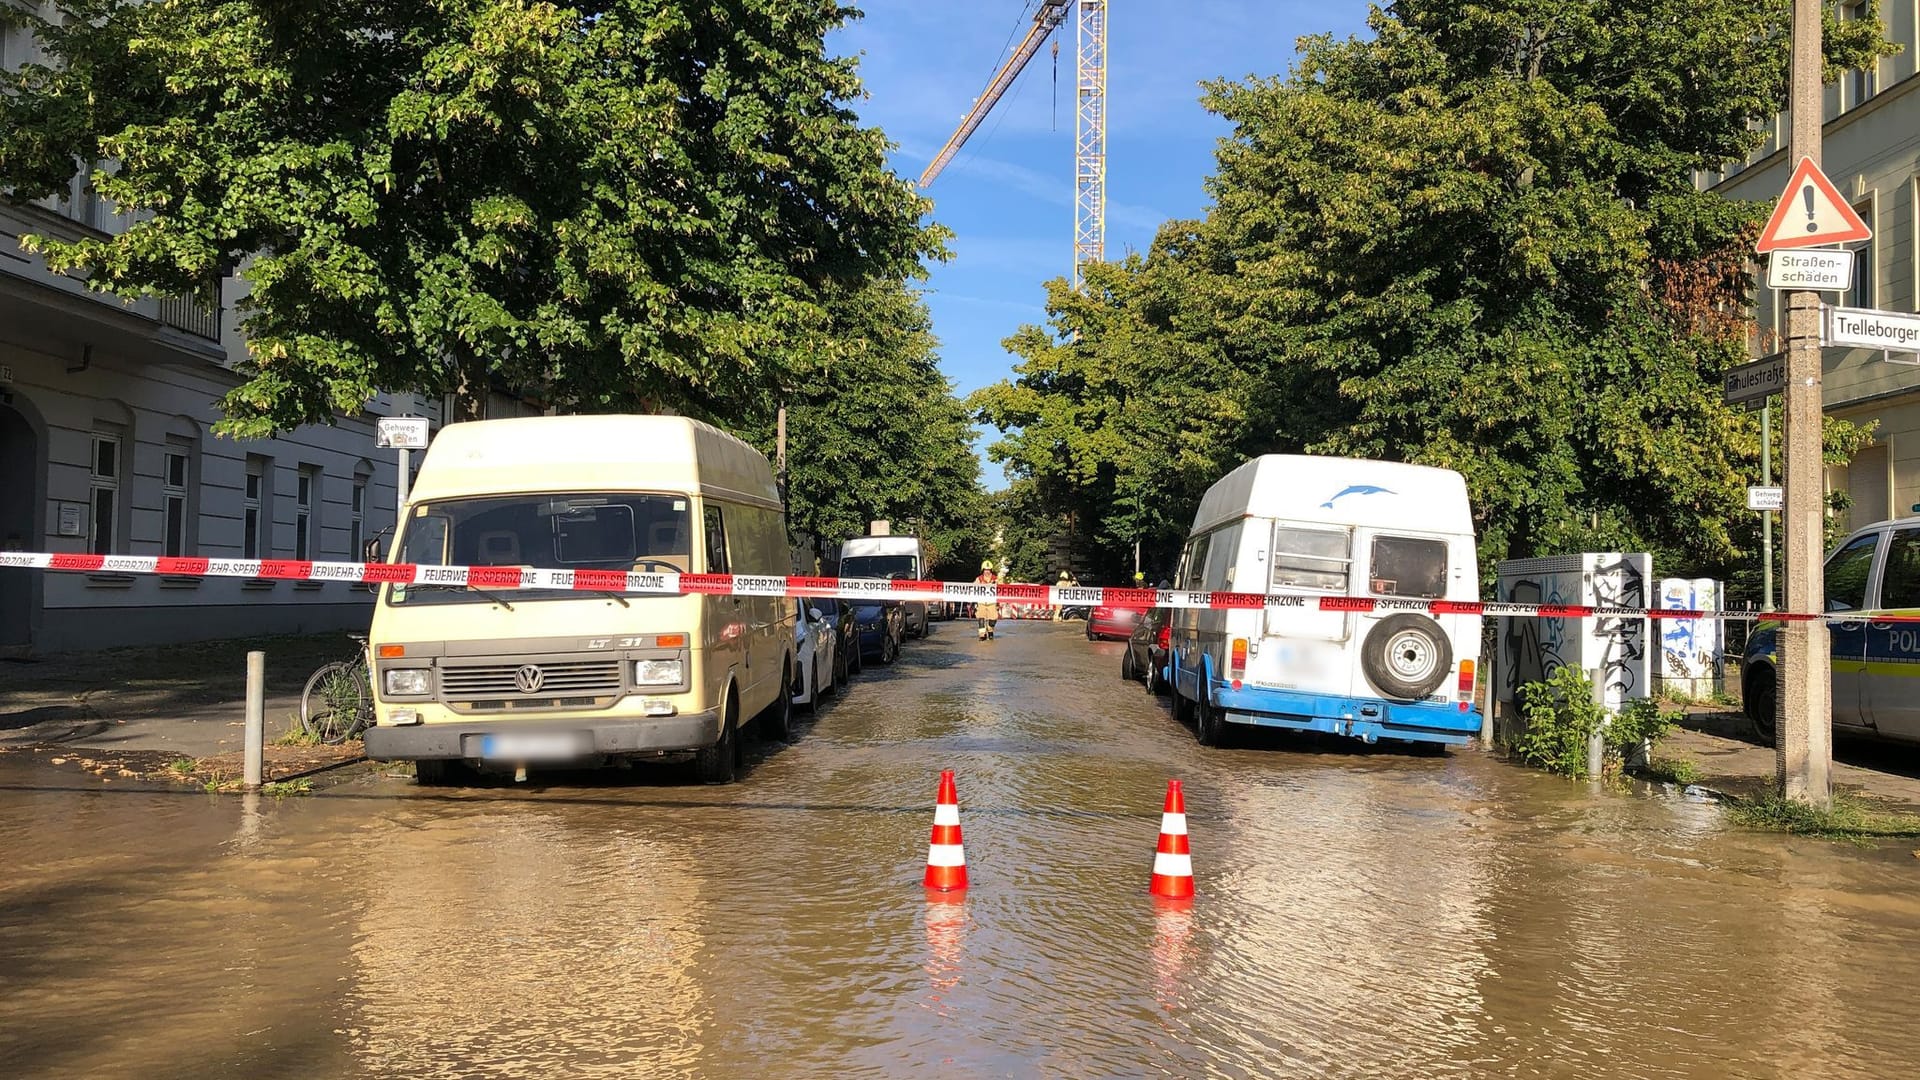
[{"x": 535, "y": 746}]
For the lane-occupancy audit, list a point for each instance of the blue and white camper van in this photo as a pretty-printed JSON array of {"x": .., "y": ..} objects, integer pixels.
[{"x": 1335, "y": 527}]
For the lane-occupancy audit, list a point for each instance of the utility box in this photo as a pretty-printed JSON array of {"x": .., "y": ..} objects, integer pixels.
[
  {"x": 1692, "y": 651},
  {"x": 1615, "y": 653}
]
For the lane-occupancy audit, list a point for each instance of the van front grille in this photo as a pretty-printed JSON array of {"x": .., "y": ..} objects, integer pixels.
[{"x": 570, "y": 678}]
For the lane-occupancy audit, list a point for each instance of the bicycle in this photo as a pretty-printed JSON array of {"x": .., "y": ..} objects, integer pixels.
[{"x": 337, "y": 703}]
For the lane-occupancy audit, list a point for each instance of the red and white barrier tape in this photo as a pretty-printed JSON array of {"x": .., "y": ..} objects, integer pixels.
[{"x": 672, "y": 584}]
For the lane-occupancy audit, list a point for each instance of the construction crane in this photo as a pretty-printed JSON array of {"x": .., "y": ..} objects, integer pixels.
[{"x": 1089, "y": 120}]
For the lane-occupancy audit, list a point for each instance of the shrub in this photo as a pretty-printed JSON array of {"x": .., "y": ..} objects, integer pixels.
[{"x": 1562, "y": 716}]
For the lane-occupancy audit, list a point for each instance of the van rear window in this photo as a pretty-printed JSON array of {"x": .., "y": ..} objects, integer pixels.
[
  {"x": 1311, "y": 558},
  {"x": 1404, "y": 566}
]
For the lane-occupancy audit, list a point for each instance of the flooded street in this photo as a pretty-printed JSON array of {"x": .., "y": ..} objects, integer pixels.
[{"x": 1360, "y": 913}]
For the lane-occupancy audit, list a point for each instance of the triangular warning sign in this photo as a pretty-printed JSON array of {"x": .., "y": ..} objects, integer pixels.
[{"x": 1811, "y": 212}]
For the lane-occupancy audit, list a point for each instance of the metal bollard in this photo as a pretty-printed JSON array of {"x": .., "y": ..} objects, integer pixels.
[{"x": 256, "y": 718}]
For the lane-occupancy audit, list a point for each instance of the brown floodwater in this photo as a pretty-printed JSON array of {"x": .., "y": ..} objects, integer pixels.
[{"x": 1361, "y": 913}]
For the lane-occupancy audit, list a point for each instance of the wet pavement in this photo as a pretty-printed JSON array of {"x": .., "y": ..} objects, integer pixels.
[{"x": 1361, "y": 913}]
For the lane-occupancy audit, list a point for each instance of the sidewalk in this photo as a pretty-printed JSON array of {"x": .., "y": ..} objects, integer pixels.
[
  {"x": 1723, "y": 745},
  {"x": 185, "y": 700}
]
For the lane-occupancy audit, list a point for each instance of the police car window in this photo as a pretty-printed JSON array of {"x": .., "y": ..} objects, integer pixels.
[
  {"x": 1900, "y": 584},
  {"x": 1847, "y": 574}
]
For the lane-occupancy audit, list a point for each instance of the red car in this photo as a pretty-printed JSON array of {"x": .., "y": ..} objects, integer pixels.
[{"x": 1111, "y": 623}]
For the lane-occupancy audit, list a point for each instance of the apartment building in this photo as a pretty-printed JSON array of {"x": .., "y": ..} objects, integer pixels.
[
  {"x": 1871, "y": 150},
  {"x": 106, "y": 411}
]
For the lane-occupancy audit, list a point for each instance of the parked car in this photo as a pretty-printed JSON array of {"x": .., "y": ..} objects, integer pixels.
[
  {"x": 1331, "y": 527},
  {"x": 1874, "y": 573},
  {"x": 1111, "y": 622},
  {"x": 816, "y": 646},
  {"x": 840, "y": 614},
  {"x": 881, "y": 625},
  {"x": 1147, "y": 647}
]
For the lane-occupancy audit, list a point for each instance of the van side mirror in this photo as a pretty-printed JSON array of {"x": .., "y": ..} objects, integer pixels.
[{"x": 816, "y": 615}]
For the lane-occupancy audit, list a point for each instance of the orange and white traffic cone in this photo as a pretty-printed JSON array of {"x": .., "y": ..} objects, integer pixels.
[
  {"x": 1172, "y": 865},
  {"x": 946, "y": 857}
]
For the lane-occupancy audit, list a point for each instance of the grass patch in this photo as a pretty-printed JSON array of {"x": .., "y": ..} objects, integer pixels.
[
  {"x": 280, "y": 789},
  {"x": 1847, "y": 819},
  {"x": 297, "y": 736},
  {"x": 1673, "y": 771},
  {"x": 182, "y": 766}
]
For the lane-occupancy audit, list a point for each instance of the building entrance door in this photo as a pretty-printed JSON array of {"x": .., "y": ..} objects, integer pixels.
[{"x": 19, "y": 465}]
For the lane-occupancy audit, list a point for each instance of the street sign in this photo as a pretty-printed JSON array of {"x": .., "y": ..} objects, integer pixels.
[
  {"x": 1867, "y": 328},
  {"x": 1766, "y": 498},
  {"x": 1818, "y": 270},
  {"x": 1811, "y": 212},
  {"x": 1752, "y": 383},
  {"x": 401, "y": 433}
]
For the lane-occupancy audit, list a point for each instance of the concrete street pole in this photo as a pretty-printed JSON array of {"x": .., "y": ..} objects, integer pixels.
[
  {"x": 1803, "y": 744},
  {"x": 252, "y": 766}
]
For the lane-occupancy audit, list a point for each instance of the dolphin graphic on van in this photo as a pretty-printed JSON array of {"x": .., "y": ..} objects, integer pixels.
[{"x": 1357, "y": 489}]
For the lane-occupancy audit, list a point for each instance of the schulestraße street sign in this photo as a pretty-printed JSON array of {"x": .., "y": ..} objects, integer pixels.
[{"x": 1751, "y": 384}]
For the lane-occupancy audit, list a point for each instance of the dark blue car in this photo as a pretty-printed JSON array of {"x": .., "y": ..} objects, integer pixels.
[{"x": 881, "y": 624}]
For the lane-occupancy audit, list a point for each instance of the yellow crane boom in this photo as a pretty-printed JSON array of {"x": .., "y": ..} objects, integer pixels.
[{"x": 1090, "y": 119}]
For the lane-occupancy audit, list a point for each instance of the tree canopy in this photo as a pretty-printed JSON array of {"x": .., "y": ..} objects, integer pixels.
[
  {"x": 617, "y": 204},
  {"x": 879, "y": 435},
  {"x": 1469, "y": 239}
]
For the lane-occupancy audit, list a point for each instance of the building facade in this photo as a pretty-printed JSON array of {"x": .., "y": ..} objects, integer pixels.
[
  {"x": 106, "y": 446},
  {"x": 1871, "y": 150}
]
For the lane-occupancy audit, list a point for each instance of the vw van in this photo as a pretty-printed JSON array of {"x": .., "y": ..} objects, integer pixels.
[
  {"x": 511, "y": 677},
  {"x": 1874, "y": 573},
  {"x": 881, "y": 555},
  {"x": 1309, "y": 528}
]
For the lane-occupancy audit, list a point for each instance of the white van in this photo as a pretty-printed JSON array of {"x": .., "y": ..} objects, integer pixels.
[
  {"x": 884, "y": 556},
  {"x": 516, "y": 676},
  {"x": 1330, "y": 527}
]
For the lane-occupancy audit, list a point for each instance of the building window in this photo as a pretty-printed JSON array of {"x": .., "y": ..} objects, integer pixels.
[
  {"x": 176, "y": 472},
  {"x": 357, "y": 525},
  {"x": 306, "y": 499},
  {"x": 105, "y": 483},
  {"x": 254, "y": 505},
  {"x": 1863, "y": 293},
  {"x": 1860, "y": 83}
]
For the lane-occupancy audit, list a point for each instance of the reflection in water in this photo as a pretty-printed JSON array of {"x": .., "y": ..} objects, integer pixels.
[
  {"x": 946, "y": 923},
  {"x": 510, "y": 941},
  {"x": 1360, "y": 914}
]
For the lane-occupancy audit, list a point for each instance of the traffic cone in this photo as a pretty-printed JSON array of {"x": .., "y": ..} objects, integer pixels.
[
  {"x": 946, "y": 858},
  {"x": 1172, "y": 865}
]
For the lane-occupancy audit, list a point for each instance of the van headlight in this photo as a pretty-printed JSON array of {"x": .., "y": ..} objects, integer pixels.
[
  {"x": 405, "y": 682},
  {"x": 657, "y": 672}
]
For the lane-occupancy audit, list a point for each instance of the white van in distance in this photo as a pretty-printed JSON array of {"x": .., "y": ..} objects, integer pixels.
[
  {"x": 1330, "y": 527},
  {"x": 884, "y": 556},
  {"x": 467, "y": 673}
]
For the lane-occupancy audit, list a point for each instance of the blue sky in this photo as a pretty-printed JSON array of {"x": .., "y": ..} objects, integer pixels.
[{"x": 1008, "y": 197}]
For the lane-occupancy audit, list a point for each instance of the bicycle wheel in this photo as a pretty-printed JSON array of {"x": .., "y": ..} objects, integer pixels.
[{"x": 334, "y": 702}]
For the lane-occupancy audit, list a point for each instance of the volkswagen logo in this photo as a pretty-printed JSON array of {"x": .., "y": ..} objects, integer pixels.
[{"x": 529, "y": 678}]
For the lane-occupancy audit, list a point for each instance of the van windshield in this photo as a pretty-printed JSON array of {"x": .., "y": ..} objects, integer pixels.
[
  {"x": 591, "y": 531},
  {"x": 877, "y": 566}
]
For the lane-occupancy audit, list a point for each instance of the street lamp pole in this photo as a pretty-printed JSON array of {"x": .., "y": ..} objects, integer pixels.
[{"x": 1803, "y": 744}]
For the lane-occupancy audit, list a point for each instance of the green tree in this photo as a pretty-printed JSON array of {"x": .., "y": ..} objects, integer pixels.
[
  {"x": 878, "y": 434},
  {"x": 1470, "y": 239},
  {"x": 620, "y": 204}
]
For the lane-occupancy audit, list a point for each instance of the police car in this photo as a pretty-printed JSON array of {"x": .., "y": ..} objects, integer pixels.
[{"x": 1872, "y": 579}]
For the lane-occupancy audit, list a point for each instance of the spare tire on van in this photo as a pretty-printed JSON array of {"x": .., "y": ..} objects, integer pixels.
[{"x": 1406, "y": 656}]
